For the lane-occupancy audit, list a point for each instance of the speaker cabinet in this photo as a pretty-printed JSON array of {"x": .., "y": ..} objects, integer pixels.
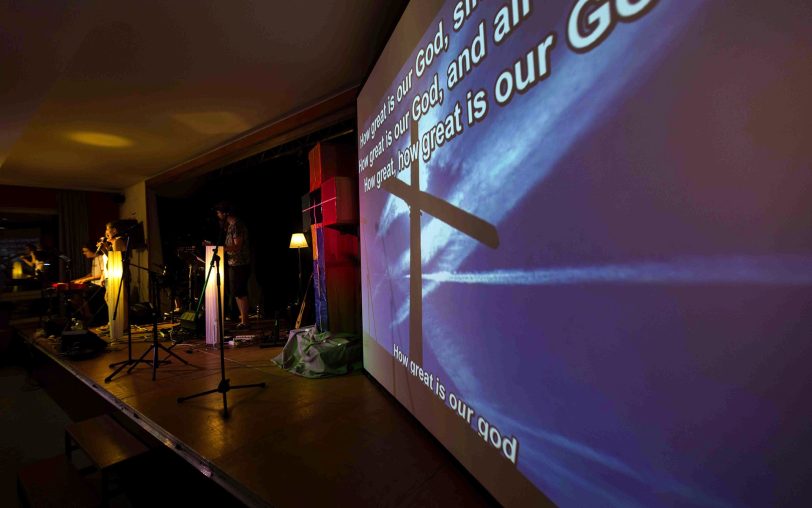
[
  {"x": 79, "y": 344},
  {"x": 135, "y": 230}
]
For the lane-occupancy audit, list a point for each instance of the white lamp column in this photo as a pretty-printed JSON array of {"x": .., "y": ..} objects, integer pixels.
[
  {"x": 114, "y": 294},
  {"x": 212, "y": 323}
]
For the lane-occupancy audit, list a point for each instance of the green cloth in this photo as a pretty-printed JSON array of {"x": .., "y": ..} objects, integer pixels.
[{"x": 311, "y": 354}]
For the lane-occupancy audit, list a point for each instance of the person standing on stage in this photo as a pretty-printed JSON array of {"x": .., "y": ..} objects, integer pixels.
[
  {"x": 238, "y": 258},
  {"x": 35, "y": 265},
  {"x": 112, "y": 240}
]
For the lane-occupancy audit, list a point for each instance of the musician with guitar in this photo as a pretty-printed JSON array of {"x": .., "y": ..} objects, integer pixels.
[{"x": 238, "y": 258}]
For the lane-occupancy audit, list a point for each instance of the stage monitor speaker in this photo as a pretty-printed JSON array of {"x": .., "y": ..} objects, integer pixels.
[
  {"x": 339, "y": 201},
  {"x": 187, "y": 321},
  {"x": 141, "y": 313},
  {"x": 80, "y": 344}
]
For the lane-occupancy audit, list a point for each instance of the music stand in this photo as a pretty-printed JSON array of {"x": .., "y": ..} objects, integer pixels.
[
  {"x": 225, "y": 385},
  {"x": 125, "y": 283}
]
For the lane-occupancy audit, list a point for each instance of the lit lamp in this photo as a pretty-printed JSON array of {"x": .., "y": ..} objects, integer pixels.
[
  {"x": 213, "y": 322},
  {"x": 115, "y": 295},
  {"x": 298, "y": 242},
  {"x": 17, "y": 270}
]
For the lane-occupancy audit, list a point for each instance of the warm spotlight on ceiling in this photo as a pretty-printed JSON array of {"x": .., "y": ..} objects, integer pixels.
[{"x": 100, "y": 139}]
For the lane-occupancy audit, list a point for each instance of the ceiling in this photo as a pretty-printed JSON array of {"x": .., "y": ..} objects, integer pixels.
[{"x": 101, "y": 95}]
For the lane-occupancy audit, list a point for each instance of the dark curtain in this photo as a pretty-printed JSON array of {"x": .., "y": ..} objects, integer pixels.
[{"x": 72, "y": 208}]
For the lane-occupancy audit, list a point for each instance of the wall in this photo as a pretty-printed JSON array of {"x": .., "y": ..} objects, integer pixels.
[
  {"x": 101, "y": 206},
  {"x": 27, "y": 198},
  {"x": 135, "y": 207}
]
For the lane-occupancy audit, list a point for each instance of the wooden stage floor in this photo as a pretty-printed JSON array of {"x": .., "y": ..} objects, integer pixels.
[{"x": 340, "y": 441}]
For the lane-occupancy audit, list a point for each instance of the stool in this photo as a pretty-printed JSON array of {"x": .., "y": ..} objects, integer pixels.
[{"x": 106, "y": 443}]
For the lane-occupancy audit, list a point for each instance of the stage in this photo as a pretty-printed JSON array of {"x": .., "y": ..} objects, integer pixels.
[{"x": 340, "y": 440}]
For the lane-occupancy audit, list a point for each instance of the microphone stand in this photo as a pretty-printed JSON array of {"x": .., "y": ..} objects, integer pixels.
[
  {"x": 224, "y": 386},
  {"x": 125, "y": 275},
  {"x": 66, "y": 296},
  {"x": 155, "y": 296}
]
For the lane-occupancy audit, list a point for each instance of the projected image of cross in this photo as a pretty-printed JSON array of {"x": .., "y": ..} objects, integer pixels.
[{"x": 455, "y": 217}]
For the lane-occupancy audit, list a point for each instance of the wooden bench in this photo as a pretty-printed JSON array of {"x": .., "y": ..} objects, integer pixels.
[
  {"x": 55, "y": 482},
  {"x": 106, "y": 443}
]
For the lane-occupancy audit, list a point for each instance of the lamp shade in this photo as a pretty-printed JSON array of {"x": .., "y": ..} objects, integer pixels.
[
  {"x": 298, "y": 241},
  {"x": 116, "y": 295},
  {"x": 115, "y": 269},
  {"x": 213, "y": 322}
]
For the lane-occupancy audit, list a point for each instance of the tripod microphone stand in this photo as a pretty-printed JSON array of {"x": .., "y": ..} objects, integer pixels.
[
  {"x": 125, "y": 282},
  {"x": 67, "y": 294},
  {"x": 225, "y": 385},
  {"x": 156, "y": 308}
]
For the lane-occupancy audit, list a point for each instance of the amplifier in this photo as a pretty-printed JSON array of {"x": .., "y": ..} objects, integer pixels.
[
  {"x": 187, "y": 321},
  {"x": 79, "y": 344}
]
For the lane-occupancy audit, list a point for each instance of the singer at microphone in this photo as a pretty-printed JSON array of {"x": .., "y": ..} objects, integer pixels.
[
  {"x": 113, "y": 239},
  {"x": 102, "y": 246}
]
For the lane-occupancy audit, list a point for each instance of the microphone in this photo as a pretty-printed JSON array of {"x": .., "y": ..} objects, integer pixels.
[{"x": 99, "y": 244}]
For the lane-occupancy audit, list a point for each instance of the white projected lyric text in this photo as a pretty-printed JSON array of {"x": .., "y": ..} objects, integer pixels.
[{"x": 588, "y": 24}]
